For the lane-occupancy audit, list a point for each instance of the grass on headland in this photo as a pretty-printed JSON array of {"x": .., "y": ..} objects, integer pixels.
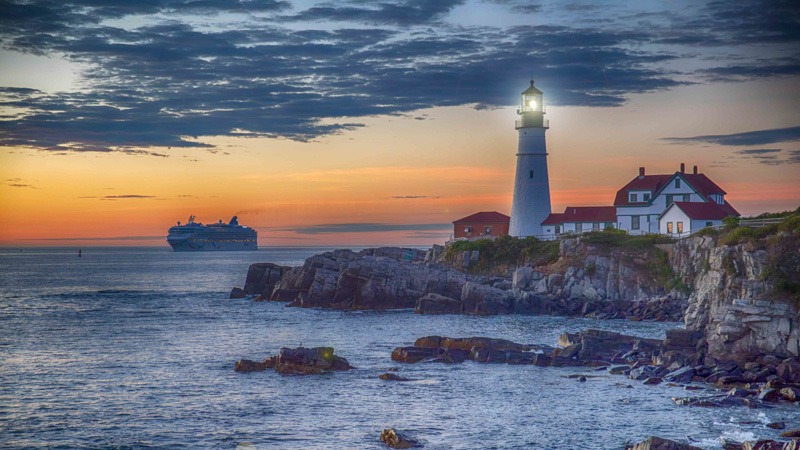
[
  {"x": 733, "y": 233},
  {"x": 506, "y": 251}
]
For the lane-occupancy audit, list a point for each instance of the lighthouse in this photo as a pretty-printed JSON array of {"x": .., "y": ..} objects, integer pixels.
[{"x": 531, "y": 204}]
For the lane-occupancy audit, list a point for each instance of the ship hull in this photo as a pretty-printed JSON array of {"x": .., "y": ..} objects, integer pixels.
[{"x": 212, "y": 246}]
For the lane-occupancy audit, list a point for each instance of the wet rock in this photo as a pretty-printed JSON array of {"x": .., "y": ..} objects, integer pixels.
[
  {"x": 619, "y": 370},
  {"x": 790, "y": 393},
  {"x": 487, "y": 355},
  {"x": 412, "y": 354},
  {"x": 392, "y": 377},
  {"x": 246, "y": 365},
  {"x": 582, "y": 379},
  {"x": 657, "y": 443},
  {"x": 763, "y": 444},
  {"x": 769, "y": 395},
  {"x": 237, "y": 293},
  {"x": 653, "y": 381},
  {"x": 396, "y": 439},
  {"x": 432, "y": 303},
  {"x": 603, "y": 345},
  {"x": 307, "y": 361},
  {"x": 777, "y": 425},
  {"x": 682, "y": 375},
  {"x": 469, "y": 342},
  {"x": 791, "y": 434},
  {"x": 542, "y": 360}
]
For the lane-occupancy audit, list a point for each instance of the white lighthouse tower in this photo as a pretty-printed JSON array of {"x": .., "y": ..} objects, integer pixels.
[{"x": 531, "y": 204}]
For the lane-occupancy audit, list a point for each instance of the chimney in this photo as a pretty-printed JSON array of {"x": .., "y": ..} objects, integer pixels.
[
  {"x": 641, "y": 171},
  {"x": 694, "y": 171},
  {"x": 683, "y": 168}
]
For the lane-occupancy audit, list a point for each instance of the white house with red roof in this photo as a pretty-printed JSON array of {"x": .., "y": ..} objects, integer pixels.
[
  {"x": 684, "y": 218},
  {"x": 577, "y": 219},
  {"x": 676, "y": 204},
  {"x": 641, "y": 203}
]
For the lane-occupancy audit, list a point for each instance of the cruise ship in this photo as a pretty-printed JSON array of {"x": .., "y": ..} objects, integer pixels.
[{"x": 194, "y": 236}]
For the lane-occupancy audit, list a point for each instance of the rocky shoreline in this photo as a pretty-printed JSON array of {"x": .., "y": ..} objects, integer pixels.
[{"x": 740, "y": 344}]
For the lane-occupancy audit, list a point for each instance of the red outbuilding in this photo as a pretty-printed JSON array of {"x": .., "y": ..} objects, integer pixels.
[{"x": 487, "y": 223}]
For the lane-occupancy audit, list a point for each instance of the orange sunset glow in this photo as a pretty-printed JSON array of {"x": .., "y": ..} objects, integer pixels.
[{"x": 401, "y": 176}]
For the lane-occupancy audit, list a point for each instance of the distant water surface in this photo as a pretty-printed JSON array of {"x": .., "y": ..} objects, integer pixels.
[{"x": 134, "y": 348}]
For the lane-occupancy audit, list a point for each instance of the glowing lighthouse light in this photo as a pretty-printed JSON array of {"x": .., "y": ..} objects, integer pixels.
[{"x": 532, "y": 104}]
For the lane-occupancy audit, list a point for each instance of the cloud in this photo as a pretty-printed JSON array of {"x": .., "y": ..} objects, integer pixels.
[
  {"x": 167, "y": 73},
  {"x": 123, "y": 196},
  {"x": 97, "y": 238},
  {"x": 369, "y": 228},
  {"x": 758, "y": 151},
  {"x": 410, "y": 197},
  {"x": 17, "y": 183},
  {"x": 759, "y": 137}
]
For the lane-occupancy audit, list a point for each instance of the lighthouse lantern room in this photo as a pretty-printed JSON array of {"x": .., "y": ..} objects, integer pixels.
[{"x": 531, "y": 204}]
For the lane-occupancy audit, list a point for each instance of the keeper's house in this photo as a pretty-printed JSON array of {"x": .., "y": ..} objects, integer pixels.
[
  {"x": 644, "y": 205},
  {"x": 482, "y": 224},
  {"x": 577, "y": 219},
  {"x": 674, "y": 204}
]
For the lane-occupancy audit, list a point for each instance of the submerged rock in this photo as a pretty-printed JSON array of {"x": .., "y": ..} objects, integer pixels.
[
  {"x": 237, "y": 293},
  {"x": 396, "y": 439},
  {"x": 246, "y": 365},
  {"x": 392, "y": 377}
]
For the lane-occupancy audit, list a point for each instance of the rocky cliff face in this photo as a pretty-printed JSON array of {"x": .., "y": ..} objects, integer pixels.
[
  {"x": 380, "y": 278},
  {"x": 736, "y": 300}
]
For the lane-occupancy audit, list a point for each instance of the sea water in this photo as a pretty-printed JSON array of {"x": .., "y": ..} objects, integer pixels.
[{"x": 134, "y": 348}]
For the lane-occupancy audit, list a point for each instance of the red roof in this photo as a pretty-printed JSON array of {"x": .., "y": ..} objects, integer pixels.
[
  {"x": 583, "y": 214},
  {"x": 654, "y": 183},
  {"x": 705, "y": 211},
  {"x": 486, "y": 217}
]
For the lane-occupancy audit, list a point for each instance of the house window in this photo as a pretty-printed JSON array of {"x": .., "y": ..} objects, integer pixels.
[
  {"x": 634, "y": 222},
  {"x": 645, "y": 197},
  {"x": 468, "y": 230},
  {"x": 669, "y": 227},
  {"x": 531, "y": 174},
  {"x": 595, "y": 227},
  {"x": 686, "y": 197},
  {"x": 670, "y": 199},
  {"x": 488, "y": 231},
  {"x": 634, "y": 197},
  {"x": 579, "y": 227},
  {"x": 680, "y": 227},
  {"x": 558, "y": 229},
  {"x": 608, "y": 225},
  {"x": 677, "y": 183},
  {"x": 708, "y": 224}
]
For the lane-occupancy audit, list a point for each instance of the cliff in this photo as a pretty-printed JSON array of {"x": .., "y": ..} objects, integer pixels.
[{"x": 744, "y": 290}]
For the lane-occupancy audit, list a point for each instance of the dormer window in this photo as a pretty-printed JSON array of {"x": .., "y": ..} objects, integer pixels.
[
  {"x": 645, "y": 197},
  {"x": 632, "y": 197}
]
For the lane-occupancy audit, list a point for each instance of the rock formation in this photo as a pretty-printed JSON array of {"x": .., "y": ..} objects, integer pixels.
[{"x": 297, "y": 361}]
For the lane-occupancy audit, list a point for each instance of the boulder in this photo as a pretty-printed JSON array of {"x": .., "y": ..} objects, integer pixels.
[
  {"x": 657, "y": 443},
  {"x": 682, "y": 375},
  {"x": 484, "y": 300},
  {"x": 396, "y": 439},
  {"x": 432, "y": 303},
  {"x": 392, "y": 377},
  {"x": 306, "y": 361},
  {"x": 653, "y": 381},
  {"x": 262, "y": 277},
  {"x": 777, "y": 425},
  {"x": 791, "y": 434},
  {"x": 246, "y": 365},
  {"x": 790, "y": 393},
  {"x": 412, "y": 354}
]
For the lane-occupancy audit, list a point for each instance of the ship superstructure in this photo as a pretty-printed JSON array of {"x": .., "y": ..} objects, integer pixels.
[{"x": 194, "y": 236}]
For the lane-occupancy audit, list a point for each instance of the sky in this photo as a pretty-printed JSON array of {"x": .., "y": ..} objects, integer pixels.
[{"x": 360, "y": 122}]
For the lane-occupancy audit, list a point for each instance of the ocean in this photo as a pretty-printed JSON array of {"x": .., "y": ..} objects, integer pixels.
[{"x": 134, "y": 348}]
